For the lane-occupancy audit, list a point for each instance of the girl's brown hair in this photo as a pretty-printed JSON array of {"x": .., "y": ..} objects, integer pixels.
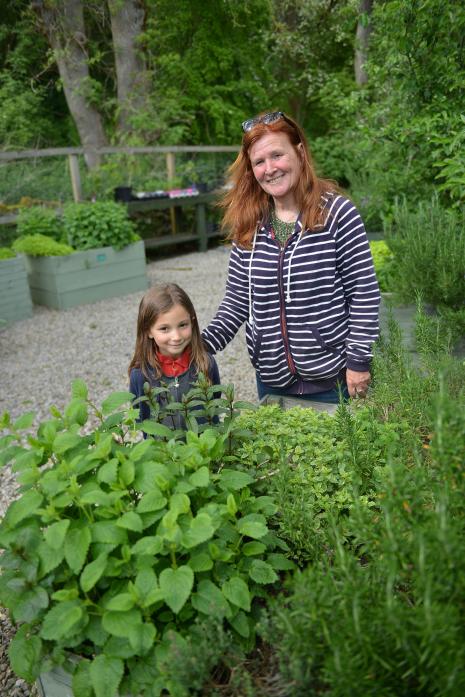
[
  {"x": 246, "y": 204},
  {"x": 156, "y": 301}
]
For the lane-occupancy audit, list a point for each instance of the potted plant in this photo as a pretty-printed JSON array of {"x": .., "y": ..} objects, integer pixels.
[
  {"x": 15, "y": 298},
  {"x": 107, "y": 259},
  {"x": 119, "y": 548}
]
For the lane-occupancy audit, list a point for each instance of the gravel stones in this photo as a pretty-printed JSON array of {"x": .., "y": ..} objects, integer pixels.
[{"x": 10, "y": 684}]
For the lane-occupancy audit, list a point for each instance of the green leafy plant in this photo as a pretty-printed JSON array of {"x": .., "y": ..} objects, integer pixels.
[
  {"x": 383, "y": 615},
  {"x": 117, "y": 546},
  {"x": 38, "y": 220},
  {"x": 383, "y": 260},
  {"x": 99, "y": 224},
  {"x": 41, "y": 246},
  {"x": 6, "y": 253},
  {"x": 312, "y": 462}
]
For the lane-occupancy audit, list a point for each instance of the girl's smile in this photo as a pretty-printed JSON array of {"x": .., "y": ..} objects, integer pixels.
[{"x": 172, "y": 331}]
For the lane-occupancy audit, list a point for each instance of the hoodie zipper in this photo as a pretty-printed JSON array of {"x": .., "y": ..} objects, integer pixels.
[{"x": 282, "y": 305}]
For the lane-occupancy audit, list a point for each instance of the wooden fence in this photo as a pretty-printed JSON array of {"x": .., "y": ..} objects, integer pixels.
[{"x": 73, "y": 154}]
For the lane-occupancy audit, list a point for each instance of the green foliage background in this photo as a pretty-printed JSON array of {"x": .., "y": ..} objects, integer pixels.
[{"x": 213, "y": 63}]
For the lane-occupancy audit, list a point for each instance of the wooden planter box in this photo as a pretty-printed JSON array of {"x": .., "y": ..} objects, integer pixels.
[
  {"x": 56, "y": 683},
  {"x": 86, "y": 277},
  {"x": 15, "y": 298}
]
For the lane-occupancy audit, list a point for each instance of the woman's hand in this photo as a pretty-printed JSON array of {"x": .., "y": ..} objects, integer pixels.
[{"x": 357, "y": 383}]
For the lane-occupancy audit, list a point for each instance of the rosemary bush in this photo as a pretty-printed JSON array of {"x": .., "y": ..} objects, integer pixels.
[
  {"x": 384, "y": 616},
  {"x": 428, "y": 243}
]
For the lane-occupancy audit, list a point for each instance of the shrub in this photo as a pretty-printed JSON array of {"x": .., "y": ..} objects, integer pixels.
[
  {"x": 99, "y": 224},
  {"x": 41, "y": 246},
  {"x": 428, "y": 243},
  {"x": 38, "y": 220},
  {"x": 383, "y": 260},
  {"x": 117, "y": 546},
  {"x": 384, "y": 616},
  {"x": 6, "y": 253},
  {"x": 311, "y": 462},
  {"x": 404, "y": 385}
]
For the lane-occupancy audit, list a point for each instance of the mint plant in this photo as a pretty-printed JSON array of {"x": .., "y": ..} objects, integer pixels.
[
  {"x": 98, "y": 224},
  {"x": 117, "y": 545}
]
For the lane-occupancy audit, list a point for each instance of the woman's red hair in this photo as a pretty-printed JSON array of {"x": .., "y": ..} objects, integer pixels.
[{"x": 246, "y": 204}]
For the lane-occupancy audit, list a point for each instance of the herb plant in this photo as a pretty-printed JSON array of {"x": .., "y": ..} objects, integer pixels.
[
  {"x": 38, "y": 220},
  {"x": 428, "y": 243},
  {"x": 6, "y": 253},
  {"x": 383, "y": 615},
  {"x": 118, "y": 546},
  {"x": 99, "y": 224},
  {"x": 312, "y": 462},
  {"x": 384, "y": 262},
  {"x": 41, "y": 246}
]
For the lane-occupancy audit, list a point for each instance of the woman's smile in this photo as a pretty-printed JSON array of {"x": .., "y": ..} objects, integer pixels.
[{"x": 276, "y": 165}]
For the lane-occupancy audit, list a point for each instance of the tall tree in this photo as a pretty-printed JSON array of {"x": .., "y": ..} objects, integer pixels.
[
  {"x": 132, "y": 79},
  {"x": 63, "y": 24},
  {"x": 361, "y": 41}
]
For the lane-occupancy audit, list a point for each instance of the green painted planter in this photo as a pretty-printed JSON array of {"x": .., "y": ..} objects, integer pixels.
[
  {"x": 86, "y": 277},
  {"x": 15, "y": 298},
  {"x": 56, "y": 683}
]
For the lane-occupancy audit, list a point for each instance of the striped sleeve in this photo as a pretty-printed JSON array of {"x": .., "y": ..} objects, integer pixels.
[
  {"x": 234, "y": 308},
  {"x": 355, "y": 266}
]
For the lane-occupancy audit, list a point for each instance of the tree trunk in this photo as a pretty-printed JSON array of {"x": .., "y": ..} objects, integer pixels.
[
  {"x": 361, "y": 41},
  {"x": 127, "y": 22},
  {"x": 63, "y": 24}
]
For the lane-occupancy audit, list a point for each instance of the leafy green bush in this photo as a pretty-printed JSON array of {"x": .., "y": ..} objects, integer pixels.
[
  {"x": 117, "y": 545},
  {"x": 41, "y": 246},
  {"x": 384, "y": 616},
  {"x": 428, "y": 243},
  {"x": 37, "y": 220},
  {"x": 383, "y": 260},
  {"x": 311, "y": 462},
  {"x": 99, "y": 224},
  {"x": 6, "y": 253}
]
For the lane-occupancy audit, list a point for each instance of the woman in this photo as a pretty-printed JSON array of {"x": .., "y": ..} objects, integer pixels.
[{"x": 300, "y": 273}]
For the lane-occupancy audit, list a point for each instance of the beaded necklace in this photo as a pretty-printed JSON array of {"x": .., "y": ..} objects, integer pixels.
[{"x": 281, "y": 229}]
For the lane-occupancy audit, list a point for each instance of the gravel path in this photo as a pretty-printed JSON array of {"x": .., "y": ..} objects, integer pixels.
[{"x": 40, "y": 357}]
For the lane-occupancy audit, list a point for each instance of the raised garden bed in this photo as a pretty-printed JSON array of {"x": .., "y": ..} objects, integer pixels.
[
  {"x": 85, "y": 277},
  {"x": 15, "y": 298}
]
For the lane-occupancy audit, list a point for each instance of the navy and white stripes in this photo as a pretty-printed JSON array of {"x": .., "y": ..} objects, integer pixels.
[{"x": 311, "y": 308}]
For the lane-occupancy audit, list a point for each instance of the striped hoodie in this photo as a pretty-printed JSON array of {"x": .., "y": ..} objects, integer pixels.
[{"x": 310, "y": 307}]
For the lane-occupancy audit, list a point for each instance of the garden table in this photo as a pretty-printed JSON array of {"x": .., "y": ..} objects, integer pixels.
[{"x": 199, "y": 201}]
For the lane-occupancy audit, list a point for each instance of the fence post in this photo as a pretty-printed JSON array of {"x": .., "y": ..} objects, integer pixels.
[
  {"x": 170, "y": 175},
  {"x": 75, "y": 177}
]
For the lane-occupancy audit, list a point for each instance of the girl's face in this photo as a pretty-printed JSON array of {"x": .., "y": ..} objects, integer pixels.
[
  {"x": 172, "y": 331},
  {"x": 277, "y": 165}
]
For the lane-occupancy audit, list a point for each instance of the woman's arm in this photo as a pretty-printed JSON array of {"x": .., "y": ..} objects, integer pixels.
[
  {"x": 355, "y": 266},
  {"x": 234, "y": 308}
]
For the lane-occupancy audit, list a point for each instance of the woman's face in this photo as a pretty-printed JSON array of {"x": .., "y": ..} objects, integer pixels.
[{"x": 277, "y": 166}]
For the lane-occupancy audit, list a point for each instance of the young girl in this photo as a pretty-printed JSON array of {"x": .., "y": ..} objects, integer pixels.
[{"x": 169, "y": 348}]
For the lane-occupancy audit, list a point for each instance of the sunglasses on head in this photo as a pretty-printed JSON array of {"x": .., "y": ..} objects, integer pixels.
[{"x": 271, "y": 117}]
